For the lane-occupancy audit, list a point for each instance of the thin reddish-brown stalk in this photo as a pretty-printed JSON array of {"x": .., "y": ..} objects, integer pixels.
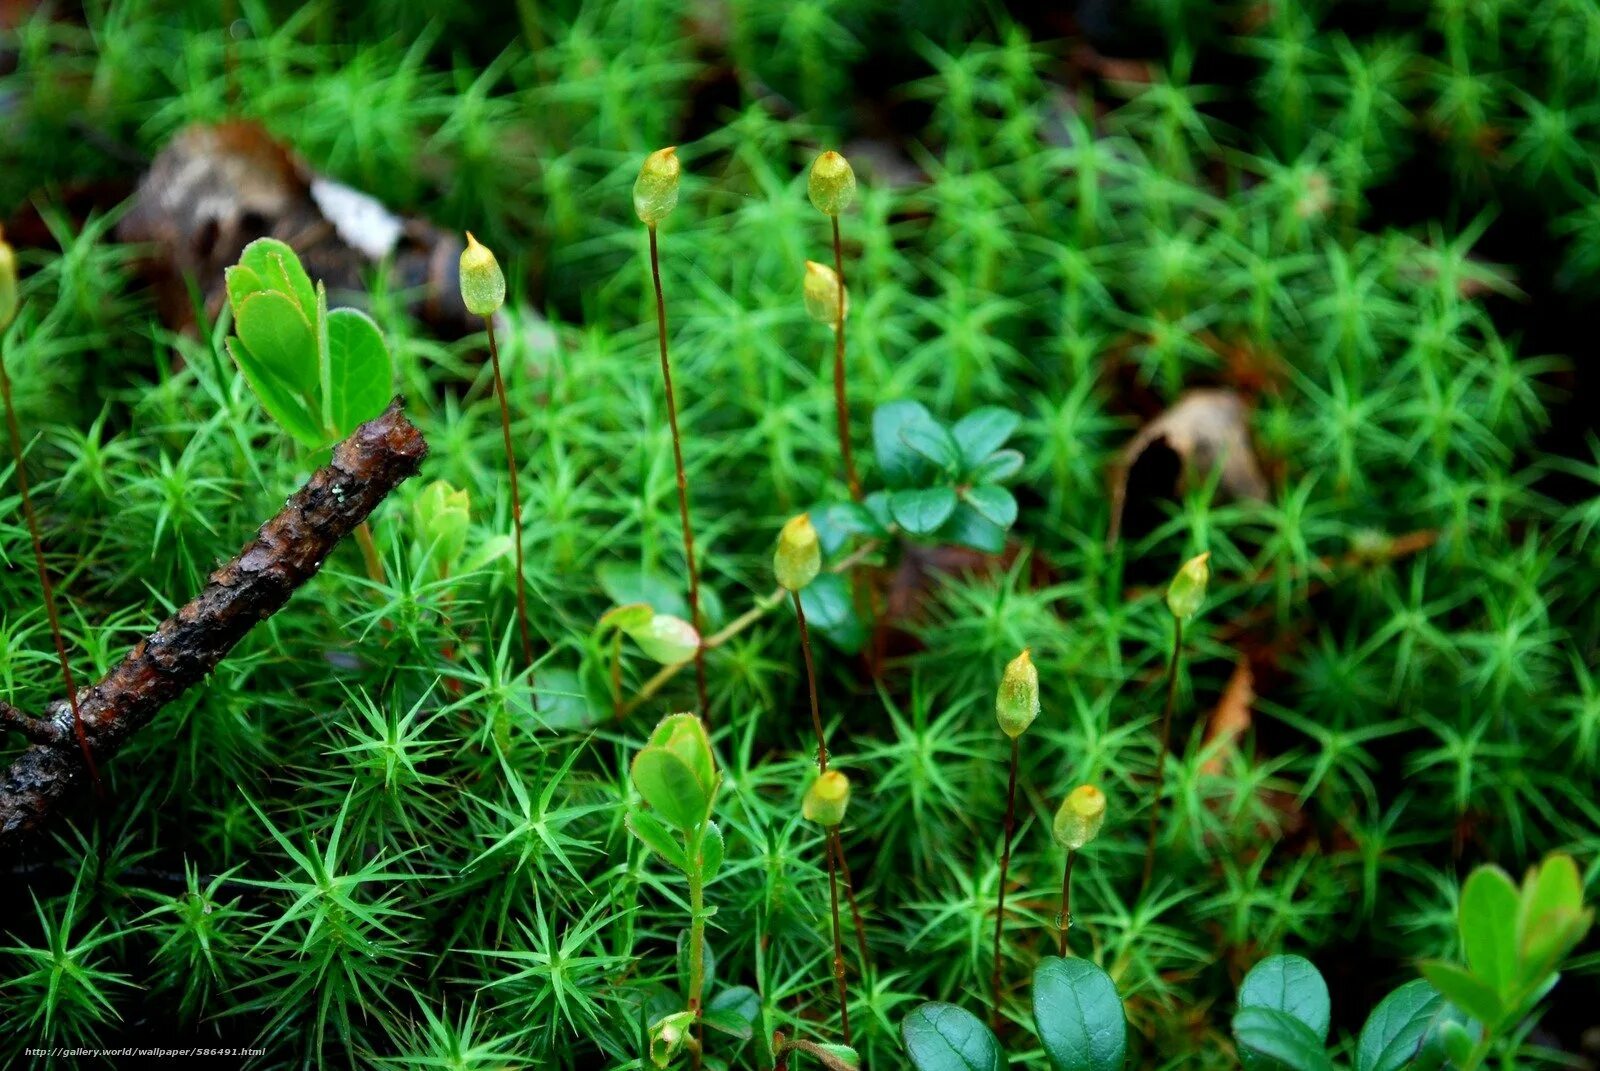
[
  {"x": 840, "y": 402},
  {"x": 683, "y": 482},
  {"x": 838, "y": 945},
  {"x": 1064, "y": 922},
  {"x": 850, "y": 894},
  {"x": 516, "y": 503},
  {"x": 1005, "y": 864},
  {"x": 811, "y": 685},
  {"x": 1161, "y": 756},
  {"x": 14, "y": 431}
]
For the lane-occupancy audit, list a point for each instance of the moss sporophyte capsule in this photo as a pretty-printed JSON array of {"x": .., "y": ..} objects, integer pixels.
[
  {"x": 8, "y": 283},
  {"x": 833, "y": 184},
  {"x": 1080, "y": 817},
  {"x": 827, "y": 799},
  {"x": 1188, "y": 589},
  {"x": 822, "y": 294},
  {"x": 483, "y": 285},
  {"x": 1016, "y": 703},
  {"x": 798, "y": 559},
  {"x": 655, "y": 191}
]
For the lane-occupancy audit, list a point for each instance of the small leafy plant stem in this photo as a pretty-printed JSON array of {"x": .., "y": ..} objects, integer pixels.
[
  {"x": 483, "y": 289},
  {"x": 8, "y": 284},
  {"x": 1184, "y": 596},
  {"x": 655, "y": 194},
  {"x": 738, "y": 625},
  {"x": 1016, "y": 705}
]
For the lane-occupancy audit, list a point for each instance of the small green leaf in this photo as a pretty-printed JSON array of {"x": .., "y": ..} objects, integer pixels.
[
  {"x": 998, "y": 467},
  {"x": 629, "y": 618},
  {"x": 1079, "y": 1015},
  {"x": 1277, "y": 1036},
  {"x": 1465, "y": 990},
  {"x": 933, "y": 442},
  {"x": 1398, "y": 1027},
  {"x": 241, "y": 282},
  {"x": 668, "y": 785},
  {"x": 279, "y": 337},
  {"x": 279, "y": 269},
  {"x": 290, "y": 411},
  {"x": 629, "y": 583},
  {"x": 1457, "y": 1042},
  {"x": 836, "y": 522},
  {"x": 995, "y": 503},
  {"x": 983, "y": 431},
  {"x": 877, "y": 505},
  {"x": 361, "y": 375},
  {"x": 666, "y": 639},
  {"x": 1293, "y": 985},
  {"x": 943, "y": 1037},
  {"x": 922, "y": 512},
  {"x": 1489, "y": 908},
  {"x": 711, "y": 851},
  {"x": 1550, "y": 917},
  {"x": 902, "y": 466},
  {"x": 969, "y": 528},
  {"x": 655, "y": 835},
  {"x": 733, "y": 1011}
]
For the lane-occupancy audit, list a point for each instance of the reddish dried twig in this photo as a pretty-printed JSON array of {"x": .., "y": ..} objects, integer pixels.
[{"x": 286, "y": 552}]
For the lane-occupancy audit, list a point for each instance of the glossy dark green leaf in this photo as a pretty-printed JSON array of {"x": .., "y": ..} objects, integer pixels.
[
  {"x": 628, "y": 583},
  {"x": 996, "y": 504},
  {"x": 284, "y": 383},
  {"x": 969, "y": 528},
  {"x": 1277, "y": 1036},
  {"x": 836, "y": 522},
  {"x": 934, "y": 443},
  {"x": 999, "y": 467},
  {"x": 943, "y": 1037},
  {"x": 733, "y": 1011},
  {"x": 922, "y": 512},
  {"x": 711, "y": 852},
  {"x": 1290, "y": 984},
  {"x": 901, "y": 465},
  {"x": 1079, "y": 1016},
  {"x": 1398, "y": 1027},
  {"x": 982, "y": 432},
  {"x": 830, "y": 610},
  {"x": 361, "y": 376}
]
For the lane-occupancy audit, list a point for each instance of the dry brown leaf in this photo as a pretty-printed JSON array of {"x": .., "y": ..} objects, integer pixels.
[
  {"x": 1205, "y": 430},
  {"x": 1231, "y": 717}
]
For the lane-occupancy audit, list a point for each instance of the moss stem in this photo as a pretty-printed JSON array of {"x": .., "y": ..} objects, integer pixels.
[
  {"x": 1005, "y": 865},
  {"x": 516, "y": 505},
  {"x": 1161, "y": 755}
]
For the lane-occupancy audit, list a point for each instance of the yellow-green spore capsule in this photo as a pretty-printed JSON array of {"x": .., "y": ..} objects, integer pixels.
[
  {"x": 833, "y": 184},
  {"x": 483, "y": 285},
  {"x": 655, "y": 191},
  {"x": 1080, "y": 817},
  {"x": 827, "y": 799},
  {"x": 798, "y": 559},
  {"x": 822, "y": 294},
  {"x": 1188, "y": 589},
  {"x": 1016, "y": 704}
]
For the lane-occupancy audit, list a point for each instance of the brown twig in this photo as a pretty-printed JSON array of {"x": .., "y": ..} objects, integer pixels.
[
  {"x": 286, "y": 552},
  {"x": 683, "y": 482}
]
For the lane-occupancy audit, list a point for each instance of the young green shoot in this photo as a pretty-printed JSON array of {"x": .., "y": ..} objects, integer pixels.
[
  {"x": 1184, "y": 596},
  {"x": 483, "y": 291},
  {"x": 1077, "y": 822},
  {"x": 1016, "y": 704},
  {"x": 832, "y": 187},
  {"x": 655, "y": 195},
  {"x": 675, "y": 773},
  {"x": 9, "y": 303}
]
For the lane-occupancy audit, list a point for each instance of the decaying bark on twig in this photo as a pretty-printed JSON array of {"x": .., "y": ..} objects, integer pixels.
[{"x": 286, "y": 552}]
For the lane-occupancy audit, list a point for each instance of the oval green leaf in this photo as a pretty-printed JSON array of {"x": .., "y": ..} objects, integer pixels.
[
  {"x": 982, "y": 432},
  {"x": 1290, "y": 984},
  {"x": 1398, "y": 1027},
  {"x": 943, "y": 1037},
  {"x": 360, "y": 373},
  {"x": 669, "y": 786},
  {"x": 1275, "y": 1035},
  {"x": 1079, "y": 1016},
  {"x": 922, "y": 512},
  {"x": 995, "y": 503}
]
